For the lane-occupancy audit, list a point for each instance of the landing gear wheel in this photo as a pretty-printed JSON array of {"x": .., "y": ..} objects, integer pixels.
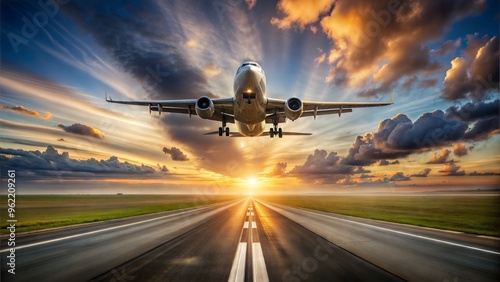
[
  {"x": 280, "y": 133},
  {"x": 220, "y": 131},
  {"x": 271, "y": 133},
  {"x": 227, "y": 131}
]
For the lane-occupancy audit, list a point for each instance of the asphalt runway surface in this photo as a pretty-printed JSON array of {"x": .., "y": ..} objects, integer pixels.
[{"x": 250, "y": 240}]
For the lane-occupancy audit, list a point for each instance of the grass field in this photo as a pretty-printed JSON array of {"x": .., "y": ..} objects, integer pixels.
[
  {"x": 471, "y": 214},
  {"x": 35, "y": 212}
]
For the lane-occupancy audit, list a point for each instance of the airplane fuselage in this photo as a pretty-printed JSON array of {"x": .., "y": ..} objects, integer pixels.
[{"x": 250, "y": 100}]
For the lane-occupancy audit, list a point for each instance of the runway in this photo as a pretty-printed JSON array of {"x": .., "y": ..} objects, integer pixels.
[{"x": 251, "y": 240}]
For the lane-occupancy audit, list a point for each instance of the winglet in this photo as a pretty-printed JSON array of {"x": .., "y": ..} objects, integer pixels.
[
  {"x": 392, "y": 98},
  {"x": 108, "y": 99}
]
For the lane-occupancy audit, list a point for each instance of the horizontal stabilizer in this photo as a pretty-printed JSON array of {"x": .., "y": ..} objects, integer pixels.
[{"x": 264, "y": 134}]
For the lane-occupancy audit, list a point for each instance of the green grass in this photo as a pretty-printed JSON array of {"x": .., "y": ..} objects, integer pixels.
[
  {"x": 470, "y": 214},
  {"x": 35, "y": 212}
]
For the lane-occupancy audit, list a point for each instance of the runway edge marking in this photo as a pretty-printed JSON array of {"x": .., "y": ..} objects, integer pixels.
[
  {"x": 397, "y": 232},
  {"x": 102, "y": 230}
]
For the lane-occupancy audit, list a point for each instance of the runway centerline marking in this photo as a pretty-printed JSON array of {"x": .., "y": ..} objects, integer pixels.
[
  {"x": 257, "y": 265},
  {"x": 238, "y": 268},
  {"x": 404, "y": 233},
  {"x": 97, "y": 231}
]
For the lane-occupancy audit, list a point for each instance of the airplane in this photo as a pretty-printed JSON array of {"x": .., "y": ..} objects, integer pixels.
[{"x": 250, "y": 110}]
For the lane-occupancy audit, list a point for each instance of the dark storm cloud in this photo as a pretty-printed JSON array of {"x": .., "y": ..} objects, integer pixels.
[
  {"x": 483, "y": 129},
  {"x": 82, "y": 129},
  {"x": 278, "y": 170},
  {"x": 422, "y": 173},
  {"x": 176, "y": 154},
  {"x": 488, "y": 173},
  {"x": 475, "y": 75},
  {"x": 399, "y": 176},
  {"x": 144, "y": 43},
  {"x": 320, "y": 162},
  {"x": 50, "y": 162},
  {"x": 399, "y": 136},
  {"x": 386, "y": 162},
  {"x": 366, "y": 176},
  {"x": 474, "y": 111}
]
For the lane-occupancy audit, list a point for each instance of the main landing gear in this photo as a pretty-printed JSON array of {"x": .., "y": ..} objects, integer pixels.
[
  {"x": 275, "y": 131},
  {"x": 223, "y": 129}
]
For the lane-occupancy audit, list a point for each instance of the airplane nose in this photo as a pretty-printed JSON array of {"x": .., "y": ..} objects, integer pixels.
[{"x": 249, "y": 75}]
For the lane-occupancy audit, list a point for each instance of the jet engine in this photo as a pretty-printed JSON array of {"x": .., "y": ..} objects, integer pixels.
[
  {"x": 204, "y": 107},
  {"x": 293, "y": 108}
]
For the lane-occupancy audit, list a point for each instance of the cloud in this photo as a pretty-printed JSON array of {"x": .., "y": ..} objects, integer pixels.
[
  {"x": 82, "y": 129},
  {"x": 322, "y": 163},
  {"x": 363, "y": 175},
  {"x": 50, "y": 162},
  {"x": 459, "y": 149},
  {"x": 399, "y": 137},
  {"x": 474, "y": 111},
  {"x": 476, "y": 74},
  {"x": 448, "y": 47},
  {"x": 301, "y": 13},
  {"x": 176, "y": 154},
  {"x": 452, "y": 169},
  {"x": 386, "y": 162},
  {"x": 278, "y": 170},
  {"x": 488, "y": 173},
  {"x": 399, "y": 176},
  {"x": 162, "y": 168},
  {"x": 251, "y": 3},
  {"x": 377, "y": 43},
  {"x": 423, "y": 173},
  {"x": 440, "y": 158},
  {"x": 24, "y": 111}
]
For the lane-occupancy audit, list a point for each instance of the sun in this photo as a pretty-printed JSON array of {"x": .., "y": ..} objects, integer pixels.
[{"x": 252, "y": 181}]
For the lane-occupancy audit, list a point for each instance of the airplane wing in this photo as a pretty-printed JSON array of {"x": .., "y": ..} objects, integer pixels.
[
  {"x": 187, "y": 106},
  {"x": 275, "y": 108}
]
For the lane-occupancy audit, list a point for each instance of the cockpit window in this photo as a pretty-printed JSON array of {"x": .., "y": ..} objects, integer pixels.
[{"x": 249, "y": 64}]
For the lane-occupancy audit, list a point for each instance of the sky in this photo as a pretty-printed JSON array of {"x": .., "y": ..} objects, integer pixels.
[{"x": 59, "y": 58}]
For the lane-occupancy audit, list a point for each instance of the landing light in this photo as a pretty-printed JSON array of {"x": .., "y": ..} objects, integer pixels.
[{"x": 249, "y": 90}]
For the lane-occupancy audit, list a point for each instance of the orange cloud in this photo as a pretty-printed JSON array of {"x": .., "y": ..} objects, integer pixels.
[
  {"x": 82, "y": 129},
  {"x": 377, "y": 43},
  {"x": 300, "y": 12},
  {"x": 459, "y": 149},
  {"x": 24, "y": 111},
  {"x": 440, "y": 158}
]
